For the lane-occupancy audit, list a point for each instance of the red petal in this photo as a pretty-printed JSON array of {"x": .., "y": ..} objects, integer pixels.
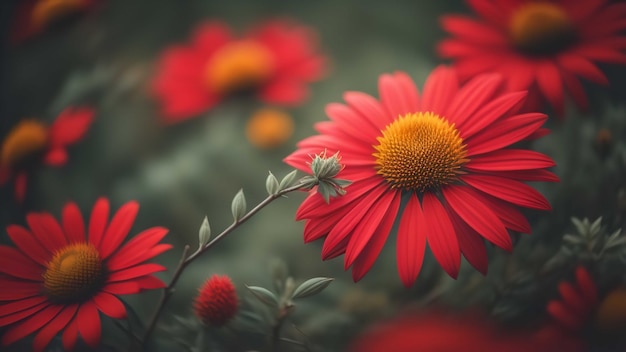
[
  {"x": 122, "y": 287},
  {"x": 586, "y": 286},
  {"x": 136, "y": 271},
  {"x": 21, "y": 180},
  {"x": 19, "y": 289},
  {"x": 88, "y": 321},
  {"x": 346, "y": 227},
  {"x": 284, "y": 92},
  {"x": 472, "y": 31},
  {"x": 31, "y": 324},
  {"x": 370, "y": 109},
  {"x": 564, "y": 315},
  {"x": 576, "y": 90},
  {"x": 411, "y": 242},
  {"x": 510, "y": 216},
  {"x": 370, "y": 252},
  {"x": 98, "y": 221},
  {"x": 315, "y": 205},
  {"x": 385, "y": 206},
  {"x": 508, "y": 190},
  {"x": 28, "y": 244},
  {"x": 70, "y": 126},
  {"x": 411, "y": 95},
  {"x": 110, "y": 305},
  {"x": 583, "y": 68},
  {"x": 440, "y": 88},
  {"x": 55, "y": 157},
  {"x": 210, "y": 36},
  {"x": 21, "y": 304},
  {"x": 118, "y": 229},
  {"x": 16, "y": 264},
  {"x": 510, "y": 159},
  {"x": 346, "y": 120},
  {"x": 441, "y": 237},
  {"x": 572, "y": 298},
  {"x": 472, "y": 96},
  {"x": 73, "y": 224},
  {"x": 488, "y": 11},
  {"x": 504, "y": 133},
  {"x": 150, "y": 282},
  {"x": 47, "y": 230},
  {"x": 468, "y": 206},
  {"x": 70, "y": 335},
  {"x": 490, "y": 112},
  {"x": 549, "y": 83},
  {"x": 48, "y": 332},
  {"x": 135, "y": 250},
  {"x": 26, "y": 313},
  {"x": 392, "y": 97},
  {"x": 471, "y": 244}
]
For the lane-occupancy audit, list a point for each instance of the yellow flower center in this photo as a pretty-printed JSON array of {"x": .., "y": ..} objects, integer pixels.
[
  {"x": 74, "y": 274},
  {"x": 238, "y": 66},
  {"x": 26, "y": 140},
  {"x": 420, "y": 152},
  {"x": 269, "y": 128},
  {"x": 46, "y": 12},
  {"x": 541, "y": 28}
]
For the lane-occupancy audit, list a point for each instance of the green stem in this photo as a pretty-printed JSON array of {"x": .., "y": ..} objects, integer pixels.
[{"x": 186, "y": 260}]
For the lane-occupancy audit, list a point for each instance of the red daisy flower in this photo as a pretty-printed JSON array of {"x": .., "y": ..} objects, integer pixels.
[
  {"x": 439, "y": 162},
  {"x": 542, "y": 46},
  {"x": 58, "y": 278},
  {"x": 435, "y": 331},
  {"x": 276, "y": 60},
  {"x": 217, "y": 302},
  {"x": 32, "y": 140},
  {"x": 35, "y": 16}
]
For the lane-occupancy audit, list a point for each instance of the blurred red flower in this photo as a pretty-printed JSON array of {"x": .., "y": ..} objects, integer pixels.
[
  {"x": 542, "y": 46},
  {"x": 59, "y": 277},
  {"x": 31, "y": 142},
  {"x": 440, "y": 332},
  {"x": 35, "y": 16},
  {"x": 275, "y": 60}
]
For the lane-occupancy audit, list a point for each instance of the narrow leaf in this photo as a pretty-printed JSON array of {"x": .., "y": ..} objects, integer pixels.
[
  {"x": 264, "y": 295},
  {"x": 238, "y": 207},
  {"x": 311, "y": 287}
]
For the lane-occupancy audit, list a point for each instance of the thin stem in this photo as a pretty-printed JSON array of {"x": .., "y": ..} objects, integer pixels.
[{"x": 186, "y": 260}]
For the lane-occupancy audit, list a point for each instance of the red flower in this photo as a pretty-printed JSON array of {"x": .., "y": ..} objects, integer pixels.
[
  {"x": 31, "y": 140},
  {"x": 542, "y": 46},
  {"x": 35, "y": 16},
  {"x": 58, "y": 278},
  {"x": 217, "y": 302},
  {"x": 577, "y": 302},
  {"x": 442, "y": 333},
  {"x": 440, "y": 162},
  {"x": 275, "y": 60}
]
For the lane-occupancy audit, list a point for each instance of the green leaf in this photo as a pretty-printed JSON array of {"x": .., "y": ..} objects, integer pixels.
[
  {"x": 271, "y": 184},
  {"x": 264, "y": 295},
  {"x": 287, "y": 180},
  {"x": 311, "y": 287},
  {"x": 238, "y": 207},
  {"x": 204, "y": 234}
]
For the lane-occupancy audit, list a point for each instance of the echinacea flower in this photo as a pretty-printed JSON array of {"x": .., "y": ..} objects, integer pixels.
[
  {"x": 438, "y": 331},
  {"x": 31, "y": 142},
  {"x": 59, "y": 277},
  {"x": 545, "y": 47},
  {"x": 217, "y": 302},
  {"x": 269, "y": 128},
  {"x": 34, "y": 16},
  {"x": 440, "y": 163},
  {"x": 275, "y": 61}
]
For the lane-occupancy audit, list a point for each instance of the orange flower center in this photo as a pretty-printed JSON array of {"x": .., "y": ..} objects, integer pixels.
[
  {"x": 610, "y": 316},
  {"x": 541, "y": 28},
  {"x": 74, "y": 274},
  {"x": 239, "y": 66},
  {"x": 26, "y": 140},
  {"x": 269, "y": 128},
  {"x": 46, "y": 12},
  {"x": 420, "y": 152}
]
